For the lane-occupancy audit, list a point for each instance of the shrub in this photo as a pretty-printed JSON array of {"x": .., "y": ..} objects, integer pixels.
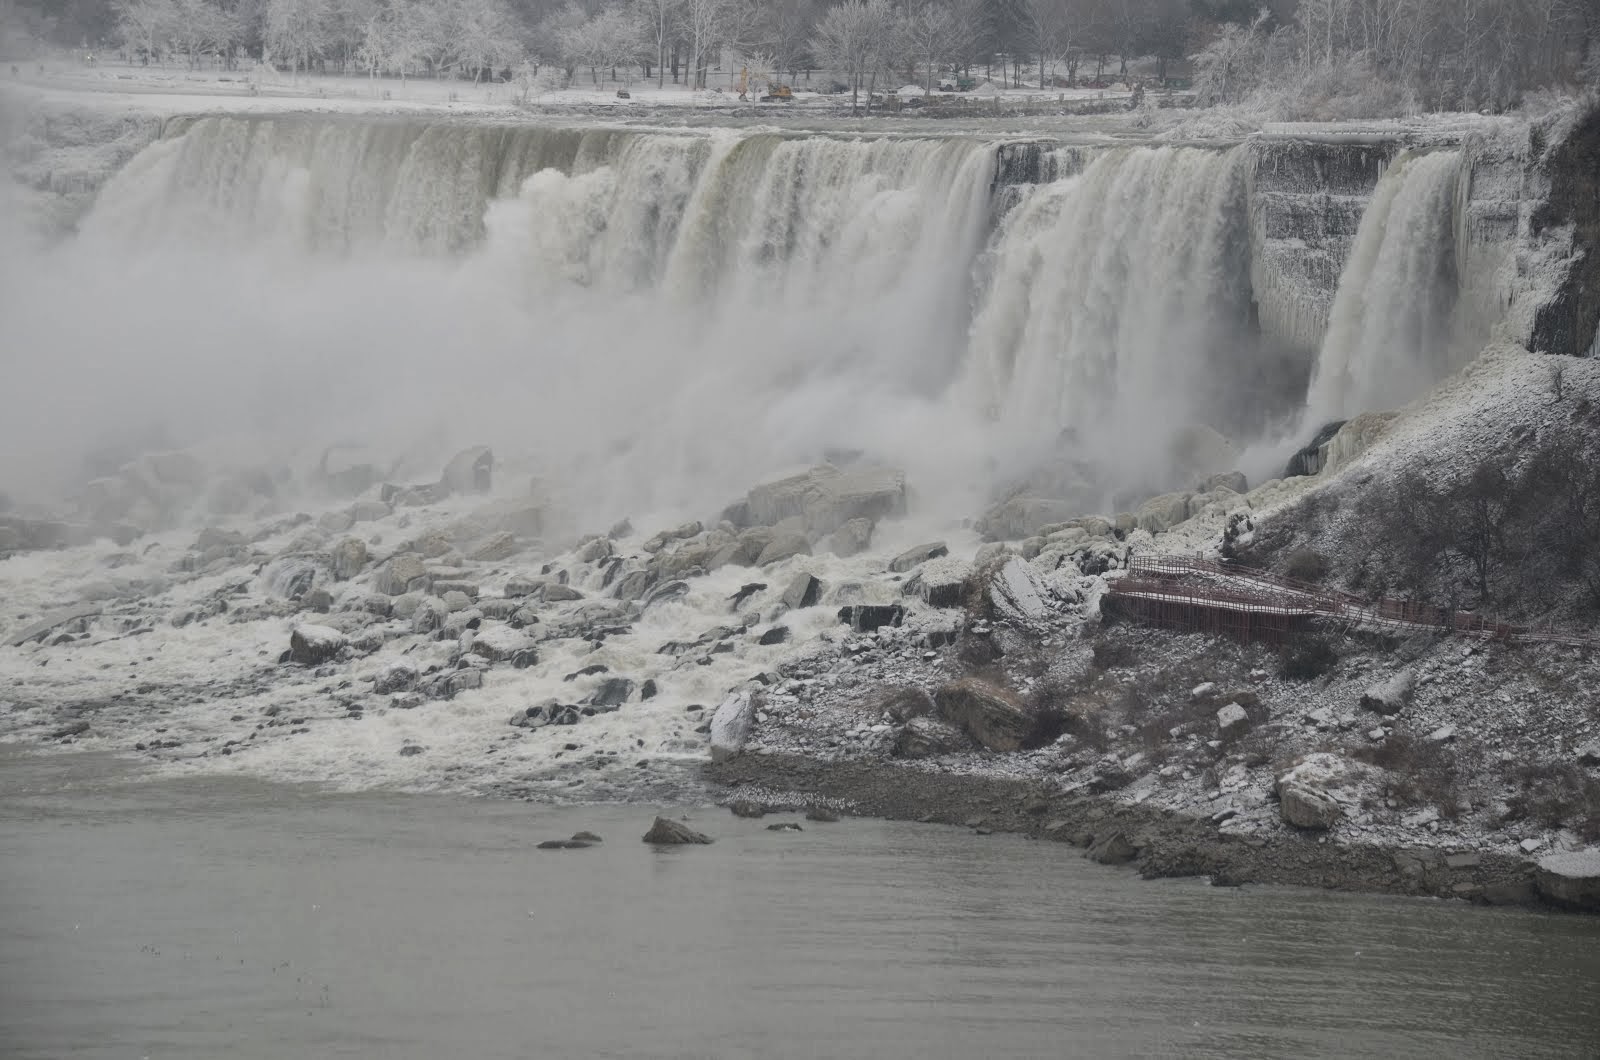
[
  {"x": 1307, "y": 659},
  {"x": 1555, "y": 795},
  {"x": 1422, "y": 772},
  {"x": 1307, "y": 565},
  {"x": 1113, "y": 656}
]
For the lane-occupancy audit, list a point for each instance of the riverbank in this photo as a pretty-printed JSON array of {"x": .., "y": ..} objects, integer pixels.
[{"x": 1156, "y": 842}]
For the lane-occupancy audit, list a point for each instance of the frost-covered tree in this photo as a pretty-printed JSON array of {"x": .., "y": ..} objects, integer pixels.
[
  {"x": 858, "y": 38},
  {"x": 145, "y": 26},
  {"x": 703, "y": 22},
  {"x": 298, "y": 30},
  {"x": 658, "y": 22},
  {"x": 929, "y": 30}
]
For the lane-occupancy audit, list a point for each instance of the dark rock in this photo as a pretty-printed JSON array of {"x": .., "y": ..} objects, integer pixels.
[
  {"x": 667, "y": 832},
  {"x": 785, "y": 826},
  {"x": 775, "y": 635},
  {"x": 1114, "y": 849},
  {"x": 647, "y": 690},
  {"x": 77, "y": 728},
  {"x": 1309, "y": 460},
  {"x": 804, "y": 591},
  {"x": 822, "y": 814},
  {"x": 585, "y": 837},
  {"x": 745, "y": 592},
  {"x": 868, "y": 618},
  {"x": 565, "y": 844},
  {"x": 746, "y": 808},
  {"x": 314, "y": 645},
  {"x": 1571, "y": 880},
  {"x": 925, "y": 737},
  {"x": 410, "y": 750},
  {"x": 908, "y": 703},
  {"x": 613, "y": 692}
]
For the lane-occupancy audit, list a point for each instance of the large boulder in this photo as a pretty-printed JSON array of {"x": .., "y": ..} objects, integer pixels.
[
  {"x": 310, "y": 645},
  {"x": 925, "y": 737},
  {"x": 913, "y": 558},
  {"x": 1571, "y": 880},
  {"x": 941, "y": 582},
  {"x": 404, "y": 573},
  {"x": 398, "y": 676},
  {"x": 731, "y": 725},
  {"x": 784, "y": 546},
  {"x": 1390, "y": 697},
  {"x": 469, "y": 471},
  {"x": 1308, "y": 807},
  {"x": 1023, "y": 516},
  {"x": 1016, "y": 593},
  {"x": 826, "y": 498},
  {"x": 993, "y": 716},
  {"x": 1113, "y": 849},
  {"x": 804, "y": 591},
  {"x": 667, "y": 832},
  {"x": 851, "y": 539}
]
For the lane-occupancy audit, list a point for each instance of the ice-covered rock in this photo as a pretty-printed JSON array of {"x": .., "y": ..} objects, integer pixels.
[
  {"x": 914, "y": 557},
  {"x": 1160, "y": 514},
  {"x": 310, "y": 645},
  {"x": 731, "y": 725},
  {"x": 500, "y": 643},
  {"x": 402, "y": 574},
  {"x": 925, "y": 737},
  {"x": 784, "y": 546},
  {"x": 826, "y": 498},
  {"x": 1232, "y": 721},
  {"x": 851, "y": 539},
  {"x": 804, "y": 591},
  {"x": 398, "y": 676},
  {"x": 349, "y": 558}
]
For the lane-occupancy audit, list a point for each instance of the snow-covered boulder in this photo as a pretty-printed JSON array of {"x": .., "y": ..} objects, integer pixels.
[
  {"x": 994, "y": 717},
  {"x": 469, "y": 471},
  {"x": 731, "y": 725},
  {"x": 403, "y": 574},
  {"x": 915, "y": 557},
  {"x": 398, "y": 676},
  {"x": 1014, "y": 591}
]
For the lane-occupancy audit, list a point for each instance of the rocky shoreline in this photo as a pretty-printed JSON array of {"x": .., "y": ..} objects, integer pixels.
[{"x": 1156, "y": 842}]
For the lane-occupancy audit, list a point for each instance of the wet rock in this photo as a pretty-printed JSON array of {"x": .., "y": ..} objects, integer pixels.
[
  {"x": 398, "y": 676},
  {"x": 500, "y": 644},
  {"x": 635, "y": 584},
  {"x": 498, "y": 547},
  {"x": 77, "y": 728},
  {"x": 924, "y": 737},
  {"x": 1114, "y": 849},
  {"x": 991, "y": 715},
  {"x": 676, "y": 590},
  {"x": 449, "y": 685},
  {"x": 520, "y": 585},
  {"x": 1571, "y": 879},
  {"x": 914, "y": 557},
  {"x": 565, "y": 844},
  {"x": 456, "y": 601},
  {"x": 826, "y": 497},
  {"x": 667, "y": 832},
  {"x": 746, "y": 808},
  {"x": 613, "y": 692},
  {"x": 443, "y": 587},
  {"x": 804, "y": 591},
  {"x": 908, "y": 703},
  {"x": 312, "y": 645},
  {"x": 1390, "y": 697},
  {"x": 746, "y": 592},
  {"x": 410, "y": 750},
  {"x": 1015, "y": 592},
  {"x": 821, "y": 814},
  {"x": 666, "y": 537},
  {"x": 404, "y": 573},
  {"x": 318, "y": 600},
  {"x": 851, "y": 539},
  {"x": 784, "y": 826},
  {"x": 775, "y": 635},
  {"x": 586, "y": 837},
  {"x": 731, "y": 725},
  {"x": 869, "y": 618},
  {"x": 560, "y": 594},
  {"x": 942, "y": 583},
  {"x": 469, "y": 471},
  {"x": 784, "y": 546}
]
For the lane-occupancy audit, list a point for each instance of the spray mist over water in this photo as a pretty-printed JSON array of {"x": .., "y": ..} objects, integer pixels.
[{"x": 649, "y": 321}]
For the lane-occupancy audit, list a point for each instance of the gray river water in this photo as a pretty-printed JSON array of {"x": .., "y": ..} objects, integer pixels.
[{"x": 210, "y": 919}]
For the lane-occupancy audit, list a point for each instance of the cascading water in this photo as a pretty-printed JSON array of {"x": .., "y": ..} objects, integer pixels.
[
  {"x": 659, "y": 318},
  {"x": 1391, "y": 333}
]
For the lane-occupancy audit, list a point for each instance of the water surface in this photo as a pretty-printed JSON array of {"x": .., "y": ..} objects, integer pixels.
[{"x": 222, "y": 918}]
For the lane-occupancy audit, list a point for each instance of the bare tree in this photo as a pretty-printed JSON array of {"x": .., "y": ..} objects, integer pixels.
[
  {"x": 702, "y": 25},
  {"x": 657, "y": 19},
  {"x": 930, "y": 35},
  {"x": 857, "y": 38}
]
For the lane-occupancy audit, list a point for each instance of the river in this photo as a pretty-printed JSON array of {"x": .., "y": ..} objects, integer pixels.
[{"x": 211, "y": 917}]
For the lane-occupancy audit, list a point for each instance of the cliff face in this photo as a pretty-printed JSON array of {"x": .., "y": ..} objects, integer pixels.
[{"x": 1566, "y": 322}]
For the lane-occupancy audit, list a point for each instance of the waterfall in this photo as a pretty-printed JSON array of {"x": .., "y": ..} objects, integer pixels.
[
  {"x": 661, "y": 317},
  {"x": 1116, "y": 304},
  {"x": 1391, "y": 335}
]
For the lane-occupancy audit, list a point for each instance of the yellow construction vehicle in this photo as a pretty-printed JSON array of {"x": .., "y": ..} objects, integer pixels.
[{"x": 780, "y": 93}]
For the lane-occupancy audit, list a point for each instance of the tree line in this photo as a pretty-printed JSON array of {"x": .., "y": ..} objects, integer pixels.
[{"x": 1417, "y": 53}]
